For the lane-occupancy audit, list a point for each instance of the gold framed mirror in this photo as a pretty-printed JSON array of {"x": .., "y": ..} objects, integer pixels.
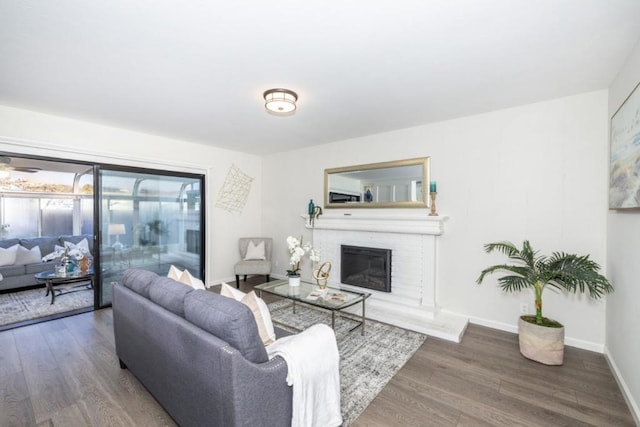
[{"x": 395, "y": 184}]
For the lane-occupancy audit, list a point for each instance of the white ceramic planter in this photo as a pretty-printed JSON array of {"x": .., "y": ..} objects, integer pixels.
[
  {"x": 541, "y": 343},
  {"x": 294, "y": 280}
]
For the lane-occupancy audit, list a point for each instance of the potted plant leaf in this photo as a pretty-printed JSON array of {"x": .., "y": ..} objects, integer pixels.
[{"x": 542, "y": 339}]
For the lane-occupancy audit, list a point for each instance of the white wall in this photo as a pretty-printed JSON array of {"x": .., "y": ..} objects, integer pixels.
[
  {"x": 623, "y": 247},
  {"x": 28, "y": 132},
  {"x": 533, "y": 172}
]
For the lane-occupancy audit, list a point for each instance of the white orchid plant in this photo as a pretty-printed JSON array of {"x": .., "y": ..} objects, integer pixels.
[{"x": 297, "y": 251}]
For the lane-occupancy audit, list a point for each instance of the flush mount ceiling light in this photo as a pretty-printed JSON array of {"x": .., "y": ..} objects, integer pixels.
[{"x": 280, "y": 101}]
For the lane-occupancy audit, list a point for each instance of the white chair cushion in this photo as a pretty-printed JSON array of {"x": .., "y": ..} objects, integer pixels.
[{"x": 253, "y": 267}]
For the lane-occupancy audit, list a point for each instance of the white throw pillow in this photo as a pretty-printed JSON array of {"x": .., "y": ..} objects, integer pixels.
[
  {"x": 28, "y": 256},
  {"x": 189, "y": 280},
  {"x": 231, "y": 292},
  {"x": 8, "y": 256},
  {"x": 82, "y": 245},
  {"x": 263, "y": 317},
  {"x": 255, "y": 252},
  {"x": 259, "y": 309},
  {"x": 174, "y": 273}
]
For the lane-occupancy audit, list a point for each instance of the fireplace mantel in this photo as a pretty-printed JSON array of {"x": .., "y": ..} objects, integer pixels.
[
  {"x": 412, "y": 236},
  {"x": 403, "y": 223}
]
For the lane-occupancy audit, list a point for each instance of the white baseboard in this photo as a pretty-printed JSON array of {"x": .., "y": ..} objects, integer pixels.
[
  {"x": 494, "y": 325},
  {"x": 571, "y": 342},
  {"x": 633, "y": 406}
]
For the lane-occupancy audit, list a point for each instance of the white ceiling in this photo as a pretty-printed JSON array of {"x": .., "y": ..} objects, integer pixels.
[{"x": 195, "y": 70}]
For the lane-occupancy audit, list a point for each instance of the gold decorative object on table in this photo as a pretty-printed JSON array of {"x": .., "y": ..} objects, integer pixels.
[
  {"x": 322, "y": 274},
  {"x": 84, "y": 263}
]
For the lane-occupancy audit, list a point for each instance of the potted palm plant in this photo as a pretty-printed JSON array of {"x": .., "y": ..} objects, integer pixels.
[{"x": 542, "y": 339}]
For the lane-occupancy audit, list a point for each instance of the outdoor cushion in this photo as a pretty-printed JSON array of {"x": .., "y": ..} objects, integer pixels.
[
  {"x": 47, "y": 244},
  {"x": 82, "y": 245},
  {"x": 8, "y": 243},
  {"x": 78, "y": 239},
  {"x": 28, "y": 256},
  {"x": 12, "y": 270},
  {"x": 8, "y": 255},
  {"x": 32, "y": 269}
]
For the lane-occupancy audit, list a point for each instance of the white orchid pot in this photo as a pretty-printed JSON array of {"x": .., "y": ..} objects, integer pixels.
[
  {"x": 541, "y": 343},
  {"x": 294, "y": 280}
]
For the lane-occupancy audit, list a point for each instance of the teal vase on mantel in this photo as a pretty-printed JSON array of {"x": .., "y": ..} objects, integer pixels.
[{"x": 311, "y": 207}]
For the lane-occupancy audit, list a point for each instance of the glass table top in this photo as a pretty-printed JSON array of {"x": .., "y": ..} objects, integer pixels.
[{"x": 332, "y": 298}]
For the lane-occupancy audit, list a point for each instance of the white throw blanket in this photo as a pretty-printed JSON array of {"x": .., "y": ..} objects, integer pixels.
[{"x": 313, "y": 370}]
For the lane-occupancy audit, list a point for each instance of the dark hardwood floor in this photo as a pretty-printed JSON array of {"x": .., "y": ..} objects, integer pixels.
[{"x": 65, "y": 373}]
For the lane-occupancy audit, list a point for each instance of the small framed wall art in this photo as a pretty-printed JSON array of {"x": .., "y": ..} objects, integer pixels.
[{"x": 624, "y": 164}]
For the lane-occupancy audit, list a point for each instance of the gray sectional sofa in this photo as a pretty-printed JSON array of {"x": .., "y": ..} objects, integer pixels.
[
  {"x": 18, "y": 276},
  {"x": 198, "y": 353}
]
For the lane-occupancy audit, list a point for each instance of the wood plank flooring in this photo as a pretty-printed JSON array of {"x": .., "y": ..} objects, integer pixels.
[
  {"x": 65, "y": 373},
  {"x": 485, "y": 381}
]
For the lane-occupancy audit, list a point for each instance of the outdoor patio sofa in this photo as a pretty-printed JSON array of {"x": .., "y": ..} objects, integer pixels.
[
  {"x": 198, "y": 353},
  {"x": 20, "y": 273}
]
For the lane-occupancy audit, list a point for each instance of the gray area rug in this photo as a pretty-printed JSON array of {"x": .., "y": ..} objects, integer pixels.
[
  {"x": 367, "y": 363},
  {"x": 32, "y": 304}
]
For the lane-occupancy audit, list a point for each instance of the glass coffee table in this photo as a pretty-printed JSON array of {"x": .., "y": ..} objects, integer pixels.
[
  {"x": 333, "y": 299},
  {"x": 70, "y": 282}
]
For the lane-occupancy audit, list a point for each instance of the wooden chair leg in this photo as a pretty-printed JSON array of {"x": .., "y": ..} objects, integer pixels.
[
  {"x": 237, "y": 281},
  {"x": 245, "y": 277},
  {"x": 267, "y": 277}
]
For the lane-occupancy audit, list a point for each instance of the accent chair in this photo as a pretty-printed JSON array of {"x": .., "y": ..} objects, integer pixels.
[{"x": 255, "y": 257}]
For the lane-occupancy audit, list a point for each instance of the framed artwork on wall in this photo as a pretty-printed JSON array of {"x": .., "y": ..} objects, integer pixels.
[{"x": 624, "y": 163}]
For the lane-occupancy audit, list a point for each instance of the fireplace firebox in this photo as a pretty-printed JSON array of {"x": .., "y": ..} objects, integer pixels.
[{"x": 366, "y": 267}]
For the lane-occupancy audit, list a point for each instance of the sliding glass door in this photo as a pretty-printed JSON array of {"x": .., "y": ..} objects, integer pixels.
[{"x": 148, "y": 219}]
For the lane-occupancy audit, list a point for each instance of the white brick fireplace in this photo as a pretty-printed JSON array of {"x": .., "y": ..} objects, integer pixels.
[{"x": 413, "y": 240}]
